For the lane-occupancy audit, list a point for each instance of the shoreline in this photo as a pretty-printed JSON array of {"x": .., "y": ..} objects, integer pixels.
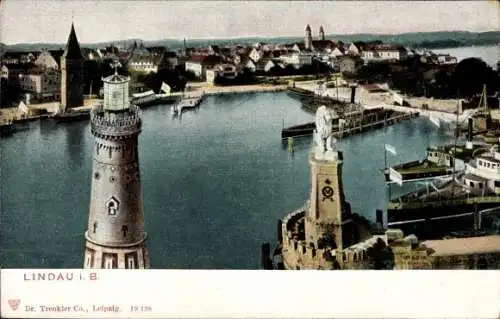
[
  {"x": 13, "y": 114},
  {"x": 363, "y": 97}
]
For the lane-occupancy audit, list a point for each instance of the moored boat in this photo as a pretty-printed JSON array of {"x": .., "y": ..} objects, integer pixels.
[
  {"x": 72, "y": 116},
  {"x": 471, "y": 198},
  {"x": 299, "y": 93}
]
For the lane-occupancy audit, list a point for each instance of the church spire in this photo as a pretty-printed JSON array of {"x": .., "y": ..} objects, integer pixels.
[
  {"x": 321, "y": 33},
  {"x": 72, "y": 50}
]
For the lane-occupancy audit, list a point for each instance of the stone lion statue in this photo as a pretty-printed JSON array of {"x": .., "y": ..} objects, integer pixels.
[{"x": 323, "y": 133}]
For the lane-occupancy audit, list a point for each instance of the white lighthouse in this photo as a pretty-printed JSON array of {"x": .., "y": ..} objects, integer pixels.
[{"x": 115, "y": 237}]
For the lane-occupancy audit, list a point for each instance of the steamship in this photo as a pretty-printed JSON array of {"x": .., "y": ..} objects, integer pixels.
[
  {"x": 440, "y": 161},
  {"x": 469, "y": 200}
]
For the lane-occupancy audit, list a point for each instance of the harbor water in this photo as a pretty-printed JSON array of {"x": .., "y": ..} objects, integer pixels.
[{"x": 214, "y": 181}]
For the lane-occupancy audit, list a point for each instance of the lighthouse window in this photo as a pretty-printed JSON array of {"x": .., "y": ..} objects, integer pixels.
[{"x": 112, "y": 206}]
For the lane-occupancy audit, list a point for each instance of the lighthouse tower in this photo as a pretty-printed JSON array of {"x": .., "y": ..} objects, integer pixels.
[{"x": 115, "y": 237}]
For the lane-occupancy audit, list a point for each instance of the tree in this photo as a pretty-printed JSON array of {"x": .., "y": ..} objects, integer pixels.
[
  {"x": 92, "y": 73},
  {"x": 471, "y": 74},
  {"x": 10, "y": 92}
]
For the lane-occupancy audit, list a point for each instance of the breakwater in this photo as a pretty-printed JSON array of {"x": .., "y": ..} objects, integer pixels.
[{"x": 353, "y": 124}]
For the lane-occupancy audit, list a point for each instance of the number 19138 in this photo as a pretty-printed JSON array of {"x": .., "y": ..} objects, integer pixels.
[{"x": 140, "y": 308}]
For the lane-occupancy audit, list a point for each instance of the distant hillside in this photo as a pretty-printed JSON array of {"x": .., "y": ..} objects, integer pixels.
[{"x": 445, "y": 39}]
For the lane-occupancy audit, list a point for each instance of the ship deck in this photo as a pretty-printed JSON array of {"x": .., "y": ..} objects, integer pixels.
[
  {"x": 423, "y": 166},
  {"x": 460, "y": 151},
  {"x": 445, "y": 191}
]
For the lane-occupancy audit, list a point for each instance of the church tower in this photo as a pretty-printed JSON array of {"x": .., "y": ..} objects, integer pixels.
[
  {"x": 115, "y": 237},
  {"x": 72, "y": 73},
  {"x": 321, "y": 33},
  {"x": 308, "y": 39}
]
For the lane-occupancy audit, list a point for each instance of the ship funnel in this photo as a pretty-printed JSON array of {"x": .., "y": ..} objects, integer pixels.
[
  {"x": 353, "y": 94},
  {"x": 468, "y": 144}
]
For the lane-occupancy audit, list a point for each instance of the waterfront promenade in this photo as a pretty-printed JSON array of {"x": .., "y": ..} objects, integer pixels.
[{"x": 208, "y": 89}]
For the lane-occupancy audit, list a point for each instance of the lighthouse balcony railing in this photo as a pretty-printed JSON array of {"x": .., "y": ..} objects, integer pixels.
[{"x": 116, "y": 124}]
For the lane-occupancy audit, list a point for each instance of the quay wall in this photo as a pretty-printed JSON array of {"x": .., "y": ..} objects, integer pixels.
[
  {"x": 297, "y": 254},
  {"x": 223, "y": 90}
]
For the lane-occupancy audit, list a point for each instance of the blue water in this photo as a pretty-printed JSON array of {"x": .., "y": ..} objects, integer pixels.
[{"x": 214, "y": 182}]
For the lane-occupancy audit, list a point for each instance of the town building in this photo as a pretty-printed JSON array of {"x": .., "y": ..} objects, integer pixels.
[
  {"x": 198, "y": 64},
  {"x": 146, "y": 60},
  {"x": 72, "y": 73},
  {"x": 391, "y": 52},
  {"x": 14, "y": 57},
  {"x": 42, "y": 83},
  {"x": 348, "y": 63},
  {"x": 297, "y": 59},
  {"x": 115, "y": 237},
  {"x": 92, "y": 54},
  {"x": 226, "y": 71}
]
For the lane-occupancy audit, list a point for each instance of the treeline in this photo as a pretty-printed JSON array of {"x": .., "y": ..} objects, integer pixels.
[{"x": 414, "y": 78}]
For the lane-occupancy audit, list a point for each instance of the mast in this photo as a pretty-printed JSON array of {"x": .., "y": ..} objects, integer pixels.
[
  {"x": 455, "y": 151},
  {"x": 385, "y": 158}
]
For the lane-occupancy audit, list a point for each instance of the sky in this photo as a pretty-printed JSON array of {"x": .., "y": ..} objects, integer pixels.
[{"x": 49, "y": 21}]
